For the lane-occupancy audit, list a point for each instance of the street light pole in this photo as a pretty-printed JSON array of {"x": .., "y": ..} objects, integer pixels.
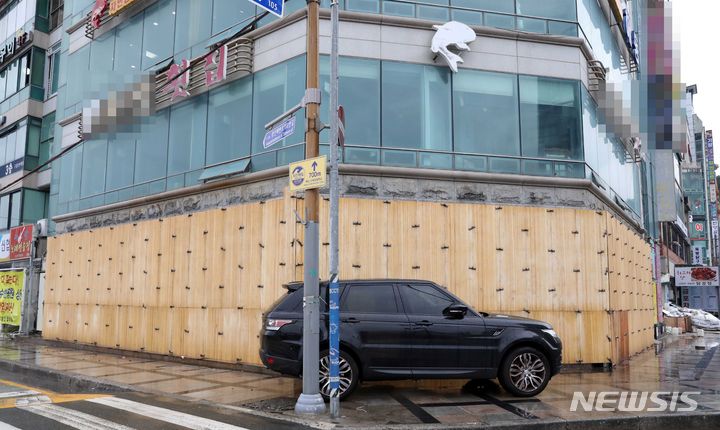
[
  {"x": 310, "y": 401},
  {"x": 334, "y": 292}
]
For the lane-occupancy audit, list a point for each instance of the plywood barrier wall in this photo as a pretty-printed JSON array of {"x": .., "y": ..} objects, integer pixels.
[{"x": 196, "y": 285}]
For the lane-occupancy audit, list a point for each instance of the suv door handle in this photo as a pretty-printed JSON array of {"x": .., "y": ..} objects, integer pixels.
[
  {"x": 350, "y": 320},
  {"x": 423, "y": 323}
]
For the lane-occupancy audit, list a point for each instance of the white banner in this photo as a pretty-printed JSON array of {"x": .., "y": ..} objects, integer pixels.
[{"x": 696, "y": 276}]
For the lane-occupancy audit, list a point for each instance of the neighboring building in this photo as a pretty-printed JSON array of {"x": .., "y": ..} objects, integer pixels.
[
  {"x": 699, "y": 188},
  {"x": 28, "y": 34},
  {"x": 515, "y": 182}
]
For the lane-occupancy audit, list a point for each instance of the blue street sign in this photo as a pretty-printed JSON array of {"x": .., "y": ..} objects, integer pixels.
[
  {"x": 334, "y": 337},
  {"x": 275, "y": 7},
  {"x": 279, "y": 132}
]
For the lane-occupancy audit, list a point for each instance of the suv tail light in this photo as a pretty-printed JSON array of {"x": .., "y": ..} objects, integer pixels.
[{"x": 275, "y": 325}]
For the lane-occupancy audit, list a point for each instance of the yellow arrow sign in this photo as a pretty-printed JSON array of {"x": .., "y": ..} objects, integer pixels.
[{"x": 308, "y": 174}]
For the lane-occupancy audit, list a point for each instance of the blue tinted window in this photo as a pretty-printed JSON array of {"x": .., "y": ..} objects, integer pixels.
[
  {"x": 128, "y": 46},
  {"x": 228, "y": 13},
  {"x": 360, "y": 97},
  {"x": 557, "y": 9},
  {"x": 158, "y": 34},
  {"x": 151, "y": 157},
  {"x": 93, "y": 168},
  {"x": 485, "y": 108},
  {"x": 277, "y": 89},
  {"x": 120, "y": 164},
  {"x": 506, "y": 6},
  {"x": 193, "y": 23},
  {"x": 363, "y": 5},
  {"x": 70, "y": 168},
  {"x": 229, "y": 119},
  {"x": 416, "y": 106},
  {"x": 188, "y": 123},
  {"x": 550, "y": 118}
]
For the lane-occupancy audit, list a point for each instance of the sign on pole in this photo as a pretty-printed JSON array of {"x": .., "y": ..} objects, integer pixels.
[
  {"x": 308, "y": 174},
  {"x": 279, "y": 132},
  {"x": 275, "y": 7}
]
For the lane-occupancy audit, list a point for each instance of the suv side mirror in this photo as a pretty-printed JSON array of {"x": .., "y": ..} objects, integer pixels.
[{"x": 456, "y": 311}]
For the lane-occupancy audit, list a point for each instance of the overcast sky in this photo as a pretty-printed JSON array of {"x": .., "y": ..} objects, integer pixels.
[{"x": 696, "y": 23}]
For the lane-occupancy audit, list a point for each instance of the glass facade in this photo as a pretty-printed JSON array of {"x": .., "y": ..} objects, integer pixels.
[
  {"x": 399, "y": 114},
  {"x": 557, "y": 17}
]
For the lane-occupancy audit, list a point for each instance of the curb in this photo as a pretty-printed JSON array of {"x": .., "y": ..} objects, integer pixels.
[
  {"x": 95, "y": 385},
  {"x": 697, "y": 421}
]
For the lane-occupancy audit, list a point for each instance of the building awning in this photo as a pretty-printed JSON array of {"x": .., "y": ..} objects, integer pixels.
[{"x": 226, "y": 170}]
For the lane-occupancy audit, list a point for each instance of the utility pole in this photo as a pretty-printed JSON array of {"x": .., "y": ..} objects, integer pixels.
[
  {"x": 334, "y": 296},
  {"x": 310, "y": 401}
]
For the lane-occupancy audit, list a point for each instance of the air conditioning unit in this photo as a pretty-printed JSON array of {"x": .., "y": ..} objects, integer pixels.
[{"x": 41, "y": 228}]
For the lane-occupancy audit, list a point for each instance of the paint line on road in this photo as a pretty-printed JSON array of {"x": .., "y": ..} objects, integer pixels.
[
  {"x": 424, "y": 416},
  {"x": 10, "y": 394},
  {"x": 6, "y": 426},
  {"x": 167, "y": 415},
  {"x": 74, "y": 419}
]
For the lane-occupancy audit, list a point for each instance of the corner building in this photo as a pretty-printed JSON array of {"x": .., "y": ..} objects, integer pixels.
[{"x": 503, "y": 182}]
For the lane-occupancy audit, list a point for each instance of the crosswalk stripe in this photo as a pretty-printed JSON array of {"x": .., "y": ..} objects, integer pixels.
[
  {"x": 73, "y": 418},
  {"x": 5, "y": 426},
  {"x": 10, "y": 394},
  {"x": 168, "y": 415}
]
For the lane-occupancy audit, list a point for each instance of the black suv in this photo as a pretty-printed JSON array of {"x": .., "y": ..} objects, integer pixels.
[{"x": 408, "y": 329}]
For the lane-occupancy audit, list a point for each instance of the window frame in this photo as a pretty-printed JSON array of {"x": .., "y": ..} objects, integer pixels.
[
  {"x": 56, "y": 11},
  {"x": 12, "y": 196},
  {"x": 51, "y": 64},
  {"x": 345, "y": 294},
  {"x": 405, "y": 306}
]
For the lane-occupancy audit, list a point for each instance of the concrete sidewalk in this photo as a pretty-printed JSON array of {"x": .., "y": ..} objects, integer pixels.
[{"x": 680, "y": 364}]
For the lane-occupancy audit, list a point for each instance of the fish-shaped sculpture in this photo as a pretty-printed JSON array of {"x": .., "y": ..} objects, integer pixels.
[{"x": 449, "y": 34}]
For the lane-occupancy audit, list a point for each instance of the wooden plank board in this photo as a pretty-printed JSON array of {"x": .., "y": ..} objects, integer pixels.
[
  {"x": 464, "y": 278},
  {"x": 542, "y": 263},
  {"x": 403, "y": 236}
]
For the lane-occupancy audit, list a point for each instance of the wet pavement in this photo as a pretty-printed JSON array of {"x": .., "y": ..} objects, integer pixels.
[{"x": 679, "y": 364}]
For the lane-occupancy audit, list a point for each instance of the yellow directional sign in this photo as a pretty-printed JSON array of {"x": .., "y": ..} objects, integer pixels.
[{"x": 308, "y": 174}]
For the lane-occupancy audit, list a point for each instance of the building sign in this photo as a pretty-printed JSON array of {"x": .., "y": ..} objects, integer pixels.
[
  {"x": 11, "y": 288},
  {"x": 697, "y": 255},
  {"x": 710, "y": 156},
  {"x": 5, "y": 246},
  {"x": 455, "y": 34},
  {"x": 8, "y": 49},
  {"x": 308, "y": 174},
  {"x": 16, "y": 243},
  {"x": 12, "y": 167},
  {"x": 117, "y": 6},
  {"x": 20, "y": 241},
  {"x": 177, "y": 85},
  {"x": 216, "y": 66},
  {"x": 691, "y": 276},
  {"x": 699, "y": 227},
  {"x": 101, "y": 6}
]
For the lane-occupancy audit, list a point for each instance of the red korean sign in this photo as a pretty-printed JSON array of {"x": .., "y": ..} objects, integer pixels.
[{"x": 20, "y": 241}]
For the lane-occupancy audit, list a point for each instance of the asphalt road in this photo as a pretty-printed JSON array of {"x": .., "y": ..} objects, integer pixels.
[{"x": 29, "y": 403}]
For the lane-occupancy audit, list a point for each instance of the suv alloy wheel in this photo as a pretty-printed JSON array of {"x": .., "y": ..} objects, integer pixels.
[
  {"x": 525, "y": 372},
  {"x": 349, "y": 374}
]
